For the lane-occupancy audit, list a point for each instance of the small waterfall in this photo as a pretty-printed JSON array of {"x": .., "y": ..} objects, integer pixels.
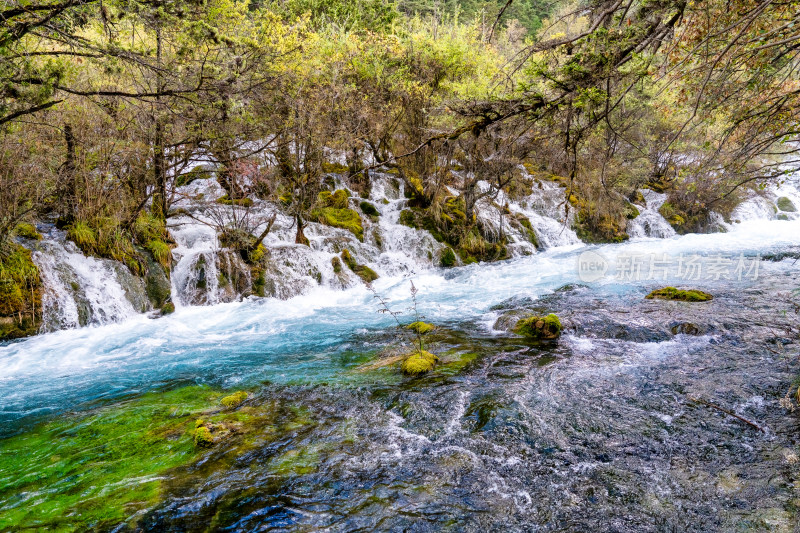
[
  {"x": 195, "y": 276},
  {"x": 545, "y": 208},
  {"x": 650, "y": 223},
  {"x": 81, "y": 290}
]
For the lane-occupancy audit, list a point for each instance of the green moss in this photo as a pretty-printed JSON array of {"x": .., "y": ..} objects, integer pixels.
[
  {"x": 631, "y": 211},
  {"x": 419, "y": 362},
  {"x": 340, "y": 218},
  {"x": 334, "y": 168},
  {"x": 20, "y": 294},
  {"x": 671, "y": 293},
  {"x": 337, "y": 200},
  {"x": 448, "y": 258},
  {"x": 27, "y": 231},
  {"x": 785, "y": 204},
  {"x": 420, "y": 327},
  {"x": 168, "y": 308},
  {"x": 259, "y": 282},
  {"x": 161, "y": 253},
  {"x": 234, "y": 400},
  {"x": 783, "y": 216},
  {"x": 369, "y": 209},
  {"x": 348, "y": 259},
  {"x": 241, "y": 202},
  {"x": 197, "y": 173},
  {"x": 337, "y": 264},
  {"x": 539, "y": 328},
  {"x": 202, "y": 437},
  {"x": 93, "y": 471},
  {"x": 366, "y": 273},
  {"x": 407, "y": 218}
]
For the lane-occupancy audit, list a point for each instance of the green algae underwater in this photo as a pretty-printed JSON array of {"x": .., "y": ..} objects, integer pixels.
[{"x": 93, "y": 471}]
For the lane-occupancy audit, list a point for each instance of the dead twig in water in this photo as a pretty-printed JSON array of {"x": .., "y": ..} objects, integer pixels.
[{"x": 727, "y": 412}]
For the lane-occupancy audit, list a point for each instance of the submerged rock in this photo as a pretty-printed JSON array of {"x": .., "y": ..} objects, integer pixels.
[
  {"x": 539, "y": 328},
  {"x": 671, "y": 293},
  {"x": 785, "y": 204}
]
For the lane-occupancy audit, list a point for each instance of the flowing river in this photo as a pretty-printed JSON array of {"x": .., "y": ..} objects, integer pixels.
[{"x": 619, "y": 425}]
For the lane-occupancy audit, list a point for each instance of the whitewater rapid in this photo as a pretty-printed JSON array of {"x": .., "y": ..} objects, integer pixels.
[{"x": 294, "y": 340}]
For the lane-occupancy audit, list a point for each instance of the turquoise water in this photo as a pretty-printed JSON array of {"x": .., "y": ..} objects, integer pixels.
[{"x": 302, "y": 340}]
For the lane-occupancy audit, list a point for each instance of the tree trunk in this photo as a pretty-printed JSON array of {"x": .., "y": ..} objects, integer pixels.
[{"x": 300, "y": 238}]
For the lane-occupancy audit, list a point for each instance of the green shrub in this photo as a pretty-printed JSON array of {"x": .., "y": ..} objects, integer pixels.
[
  {"x": 83, "y": 235},
  {"x": 161, "y": 253},
  {"x": 148, "y": 228}
]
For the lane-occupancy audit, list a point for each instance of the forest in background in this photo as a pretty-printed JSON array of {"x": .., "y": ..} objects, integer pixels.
[{"x": 106, "y": 107}]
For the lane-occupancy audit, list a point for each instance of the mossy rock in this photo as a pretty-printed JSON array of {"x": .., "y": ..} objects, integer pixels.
[
  {"x": 234, "y": 400},
  {"x": 364, "y": 272},
  {"x": 202, "y": 437},
  {"x": 27, "y": 231},
  {"x": 448, "y": 258},
  {"x": 197, "y": 173},
  {"x": 338, "y": 199},
  {"x": 241, "y": 202},
  {"x": 783, "y": 216},
  {"x": 337, "y": 264},
  {"x": 539, "y": 328},
  {"x": 369, "y": 209},
  {"x": 638, "y": 198},
  {"x": 420, "y": 328},
  {"x": 334, "y": 168},
  {"x": 786, "y": 205},
  {"x": 631, "y": 211},
  {"x": 407, "y": 218},
  {"x": 168, "y": 308},
  {"x": 671, "y": 293},
  {"x": 340, "y": 218},
  {"x": 419, "y": 362}
]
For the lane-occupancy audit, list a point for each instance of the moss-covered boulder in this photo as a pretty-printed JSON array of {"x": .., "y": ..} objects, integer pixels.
[
  {"x": 369, "y": 209},
  {"x": 346, "y": 219},
  {"x": 539, "y": 327},
  {"x": 420, "y": 328},
  {"x": 364, "y": 272},
  {"x": 671, "y": 293},
  {"x": 27, "y": 231},
  {"x": 785, "y": 204},
  {"x": 241, "y": 202},
  {"x": 234, "y": 400},
  {"x": 419, "y": 362},
  {"x": 168, "y": 308}
]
